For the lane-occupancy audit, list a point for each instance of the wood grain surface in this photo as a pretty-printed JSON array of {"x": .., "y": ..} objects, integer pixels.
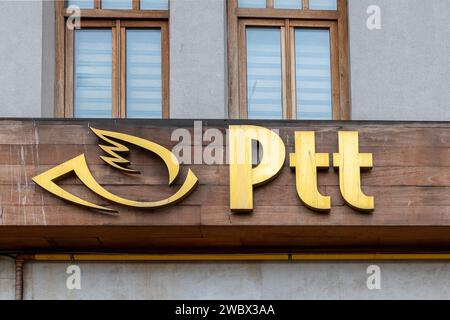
[{"x": 410, "y": 181}]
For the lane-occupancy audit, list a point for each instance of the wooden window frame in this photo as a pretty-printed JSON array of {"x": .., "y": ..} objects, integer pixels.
[
  {"x": 118, "y": 21},
  {"x": 287, "y": 20}
]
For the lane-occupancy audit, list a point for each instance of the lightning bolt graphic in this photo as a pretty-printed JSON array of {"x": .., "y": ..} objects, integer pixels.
[{"x": 115, "y": 160}]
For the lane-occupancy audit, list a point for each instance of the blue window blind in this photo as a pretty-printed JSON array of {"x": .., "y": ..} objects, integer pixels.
[
  {"x": 117, "y": 4},
  {"x": 154, "y": 4},
  {"x": 93, "y": 74},
  {"x": 323, "y": 4},
  {"x": 287, "y": 4},
  {"x": 313, "y": 74},
  {"x": 264, "y": 84},
  {"x": 143, "y": 73},
  {"x": 251, "y": 3},
  {"x": 82, "y": 4}
]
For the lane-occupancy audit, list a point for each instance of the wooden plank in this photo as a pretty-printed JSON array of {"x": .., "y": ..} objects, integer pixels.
[
  {"x": 26, "y": 203},
  {"x": 326, "y": 137},
  {"x": 156, "y": 174},
  {"x": 52, "y": 154},
  {"x": 244, "y": 239}
]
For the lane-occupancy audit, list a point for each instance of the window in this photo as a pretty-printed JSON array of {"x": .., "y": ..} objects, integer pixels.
[
  {"x": 116, "y": 65},
  {"x": 288, "y": 59}
]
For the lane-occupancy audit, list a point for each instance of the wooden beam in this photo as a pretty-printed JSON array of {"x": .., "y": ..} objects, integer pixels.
[
  {"x": 233, "y": 61},
  {"x": 69, "y": 74},
  {"x": 305, "y": 4},
  {"x": 59, "y": 59},
  {"x": 124, "y": 14},
  {"x": 411, "y": 190},
  {"x": 344, "y": 69},
  {"x": 287, "y": 14}
]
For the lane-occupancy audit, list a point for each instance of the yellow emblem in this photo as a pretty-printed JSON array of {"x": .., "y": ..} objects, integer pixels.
[{"x": 79, "y": 167}]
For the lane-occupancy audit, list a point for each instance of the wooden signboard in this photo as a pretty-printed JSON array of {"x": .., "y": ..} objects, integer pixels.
[{"x": 409, "y": 182}]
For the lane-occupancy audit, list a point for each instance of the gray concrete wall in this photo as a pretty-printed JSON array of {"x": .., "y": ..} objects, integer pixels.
[
  {"x": 198, "y": 59},
  {"x": 20, "y": 58},
  {"x": 401, "y": 72},
  {"x": 7, "y": 278},
  {"x": 48, "y": 59},
  {"x": 287, "y": 280}
]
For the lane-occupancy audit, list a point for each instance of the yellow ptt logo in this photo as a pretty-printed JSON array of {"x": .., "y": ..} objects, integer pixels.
[{"x": 244, "y": 175}]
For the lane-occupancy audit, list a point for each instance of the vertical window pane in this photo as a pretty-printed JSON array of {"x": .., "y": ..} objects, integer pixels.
[
  {"x": 264, "y": 88},
  {"x": 251, "y": 3},
  {"x": 82, "y": 4},
  {"x": 144, "y": 84},
  {"x": 93, "y": 74},
  {"x": 287, "y": 4},
  {"x": 323, "y": 4},
  {"x": 313, "y": 74},
  {"x": 117, "y": 4},
  {"x": 154, "y": 4}
]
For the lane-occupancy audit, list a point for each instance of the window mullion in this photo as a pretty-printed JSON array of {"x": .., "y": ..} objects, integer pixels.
[
  {"x": 116, "y": 70},
  {"x": 284, "y": 73},
  {"x": 243, "y": 103},
  {"x": 69, "y": 83},
  {"x": 123, "y": 76},
  {"x": 305, "y": 4},
  {"x": 335, "y": 77},
  {"x": 293, "y": 74},
  {"x": 269, "y": 3},
  {"x": 97, "y": 4},
  {"x": 165, "y": 70},
  {"x": 136, "y": 5},
  {"x": 290, "y": 72}
]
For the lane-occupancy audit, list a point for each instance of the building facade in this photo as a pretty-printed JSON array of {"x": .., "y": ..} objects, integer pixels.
[{"x": 358, "y": 60}]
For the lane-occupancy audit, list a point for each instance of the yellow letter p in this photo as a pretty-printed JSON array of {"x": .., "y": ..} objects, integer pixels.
[{"x": 242, "y": 174}]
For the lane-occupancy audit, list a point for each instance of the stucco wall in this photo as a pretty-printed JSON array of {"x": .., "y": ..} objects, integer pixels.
[
  {"x": 401, "y": 72},
  {"x": 48, "y": 59},
  {"x": 7, "y": 278},
  {"x": 287, "y": 280},
  {"x": 20, "y": 58},
  {"x": 198, "y": 59}
]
